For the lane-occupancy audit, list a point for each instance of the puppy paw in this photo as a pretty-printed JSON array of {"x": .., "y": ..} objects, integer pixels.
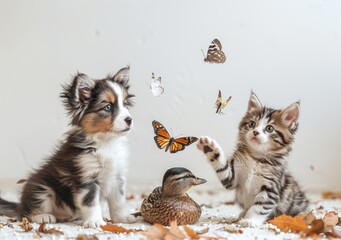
[
  {"x": 251, "y": 222},
  {"x": 44, "y": 218},
  {"x": 93, "y": 223},
  {"x": 210, "y": 148}
]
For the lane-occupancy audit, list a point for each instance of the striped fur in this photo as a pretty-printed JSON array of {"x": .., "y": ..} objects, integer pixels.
[
  {"x": 89, "y": 166},
  {"x": 257, "y": 170}
]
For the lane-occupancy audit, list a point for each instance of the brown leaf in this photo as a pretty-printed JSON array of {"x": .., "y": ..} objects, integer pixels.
[
  {"x": 116, "y": 229},
  {"x": 232, "y": 229},
  {"x": 317, "y": 227},
  {"x": 229, "y": 203},
  {"x": 331, "y": 218},
  {"x": 331, "y": 195},
  {"x": 334, "y": 234},
  {"x": 26, "y": 225},
  {"x": 191, "y": 233},
  {"x": 42, "y": 229},
  {"x": 86, "y": 237},
  {"x": 174, "y": 232},
  {"x": 307, "y": 217},
  {"x": 157, "y": 232},
  {"x": 287, "y": 223},
  {"x": 20, "y": 181}
]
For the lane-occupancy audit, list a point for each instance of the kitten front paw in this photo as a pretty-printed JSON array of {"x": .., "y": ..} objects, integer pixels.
[
  {"x": 210, "y": 148},
  {"x": 94, "y": 223},
  {"x": 44, "y": 218},
  {"x": 251, "y": 222},
  {"x": 126, "y": 218}
]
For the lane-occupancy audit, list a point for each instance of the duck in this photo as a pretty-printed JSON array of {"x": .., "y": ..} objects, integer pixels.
[{"x": 170, "y": 202}]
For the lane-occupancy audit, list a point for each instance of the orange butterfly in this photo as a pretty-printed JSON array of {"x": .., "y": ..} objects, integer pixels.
[{"x": 164, "y": 140}]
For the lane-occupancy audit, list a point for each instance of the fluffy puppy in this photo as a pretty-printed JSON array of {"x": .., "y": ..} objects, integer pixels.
[{"x": 88, "y": 169}]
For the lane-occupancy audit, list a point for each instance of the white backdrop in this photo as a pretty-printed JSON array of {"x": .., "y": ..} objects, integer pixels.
[{"x": 283, "y": 50}]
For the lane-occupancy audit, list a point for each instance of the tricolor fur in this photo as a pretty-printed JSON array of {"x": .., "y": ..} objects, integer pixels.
[
  {"x": 258, "y": 168},
  {"x": 89, "y": 167}
]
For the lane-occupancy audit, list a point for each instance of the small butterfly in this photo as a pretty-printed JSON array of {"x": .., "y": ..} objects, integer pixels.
[
  {"x": 214, "y": 53},
  {"x": 220, "y": 104},
  {"x": 164, "y": 140},
  {"x": 155, "y": 86}
]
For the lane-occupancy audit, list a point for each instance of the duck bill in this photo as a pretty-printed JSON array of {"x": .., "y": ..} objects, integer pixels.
[{"x": 199, "y": 181}]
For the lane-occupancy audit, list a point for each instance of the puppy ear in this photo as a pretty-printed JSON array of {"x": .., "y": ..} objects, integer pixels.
[
  {"x": 77, "y": 94},
  {"x": 122, "y": 76},
  {"x": 290, "y": 115},
  {"x": 254, "y": 103}
]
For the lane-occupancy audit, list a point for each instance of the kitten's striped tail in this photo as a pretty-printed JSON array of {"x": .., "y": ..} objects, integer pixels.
[{"x": 10, "y": 209}]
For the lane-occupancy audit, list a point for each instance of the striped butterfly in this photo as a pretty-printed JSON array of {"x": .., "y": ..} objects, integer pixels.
[
  {"x": 220, "y": 104},
  {"x": 215, "y": 53},
  {"x": 164, "y": 140}
]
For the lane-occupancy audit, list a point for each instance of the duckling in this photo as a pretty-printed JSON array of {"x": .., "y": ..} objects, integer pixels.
[{"x": 170, "y": 201}]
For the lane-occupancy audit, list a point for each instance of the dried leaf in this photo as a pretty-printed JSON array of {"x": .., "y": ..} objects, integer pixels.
[
  {"x": 331, "y": 218},
  {"x": 287, "y": 223},
  {"x": 42, "y": 229},
  {"x": 331, "y": 195},
  {"x": 174, "y": 232},
  {"x": 1, "y": 225},
  {"x": 20, "y": 181},
  {"x": 317, "y": 227},
  {"x": 307, "y": 217},
  {"x": 116, "y": 229},
  {"x": 86, "y": 237},
  {"x": 229, "y": 203},
  {"x": 232, "y": 229},
  {"x": 334, "y": 234},
  {"x": 202, "y": 231},
  {"x": 191, "y": 233},
  {"x": 26, "y": 225},
  {"x": 157, "y": 231}
]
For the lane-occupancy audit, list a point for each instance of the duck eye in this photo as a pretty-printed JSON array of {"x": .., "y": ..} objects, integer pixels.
[
  {"x": 108, "y": 108},
  {"x": 269, "y": 129},
  {"x": 252, "y": 124}
]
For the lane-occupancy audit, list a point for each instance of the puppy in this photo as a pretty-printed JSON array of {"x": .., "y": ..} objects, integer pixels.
[{"x": 89, "y": 167}]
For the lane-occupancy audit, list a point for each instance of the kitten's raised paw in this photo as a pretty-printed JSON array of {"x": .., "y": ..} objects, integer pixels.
[
  {"x": 44, "y": 218},
  {"x": 210, "y": 147},
  {"x": 251, "y": 222}
]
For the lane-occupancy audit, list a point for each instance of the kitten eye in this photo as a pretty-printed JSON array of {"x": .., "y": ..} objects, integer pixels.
[
  {"x": 251, "y": 124},
  {"x": 107, "y": 108},
  {"x": 269, "y": 129}
]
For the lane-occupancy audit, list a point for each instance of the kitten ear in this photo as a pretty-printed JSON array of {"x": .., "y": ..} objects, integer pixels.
[
  {"x": 122, "y": 76},
  {"x": 77, "y": 93},
  {"x": 254, "y": 103},
  {"x": 290, "y": 115}
]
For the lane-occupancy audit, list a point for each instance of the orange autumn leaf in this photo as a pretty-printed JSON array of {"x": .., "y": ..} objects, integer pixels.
[
  {"x": 157, "y": 231},
  {"x": 191, "y": 233},
  {"x": 174, "y": 232},
  {"x": 116, "y": 229},
  {"x": 86, "y": 237},
  {"x": 331, "y": 218},
  {"x": 331, "y": 195},
  {"x": 42, "y": 229},
  {"x": 307, "y": 217},
  {"x": 317, "y": 227},
  {"x": 26, "y": 225},
  {"x": 287, "y": 223}
]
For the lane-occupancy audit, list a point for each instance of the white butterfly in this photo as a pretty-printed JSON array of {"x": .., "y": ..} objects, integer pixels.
[{"x": 155, "y": 86}]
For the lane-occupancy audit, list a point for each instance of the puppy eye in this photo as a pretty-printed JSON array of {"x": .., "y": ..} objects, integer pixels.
[
  {"x": 251, "y": 124},
  {"x": 269, "y": 129},
  {"x": 107, "y": 108}
]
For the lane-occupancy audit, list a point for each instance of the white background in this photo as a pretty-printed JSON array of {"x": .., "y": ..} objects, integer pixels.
[{"x": 283, "y": 50}]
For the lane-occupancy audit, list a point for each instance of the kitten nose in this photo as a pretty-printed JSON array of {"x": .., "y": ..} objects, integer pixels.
[
  {"x": 128, "y": 120},
  {"x": 255, "y": 133}
]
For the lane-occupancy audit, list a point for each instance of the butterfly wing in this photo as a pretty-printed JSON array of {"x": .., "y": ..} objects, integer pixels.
[
  {"x": 225, "y": 102},
  {"x": 162, "y": 137},
  {"x": 156, "y": 87},
  {"x": 179, "y": 144},
  {"x": 215, "y": 53}
]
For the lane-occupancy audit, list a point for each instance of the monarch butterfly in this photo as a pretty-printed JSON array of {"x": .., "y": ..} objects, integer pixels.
[
  {"x": 155, "y": 86},
  {"x": 220, "y": 104},
  {"x": 164, "y": 140},
  {"x": 215, "y": 53}
]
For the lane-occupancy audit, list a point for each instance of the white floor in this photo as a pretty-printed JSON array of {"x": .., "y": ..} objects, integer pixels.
[{"x": 217, "y": 211}]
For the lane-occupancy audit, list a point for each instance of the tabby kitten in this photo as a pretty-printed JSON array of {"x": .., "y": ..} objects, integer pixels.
[{"x": 258, "y": 168}]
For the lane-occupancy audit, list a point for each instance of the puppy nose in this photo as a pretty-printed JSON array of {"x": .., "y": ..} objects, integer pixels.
[
  {"x": 255, "y": 133},
  {"x": 128, "y": 120}
]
